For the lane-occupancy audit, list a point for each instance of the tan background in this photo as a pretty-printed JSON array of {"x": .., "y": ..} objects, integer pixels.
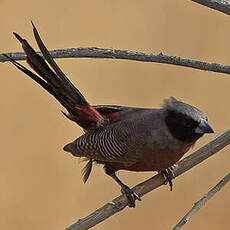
[{"x": 40, "y": 184}]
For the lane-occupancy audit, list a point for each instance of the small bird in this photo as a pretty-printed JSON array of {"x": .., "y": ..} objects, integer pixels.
[{"x": 118, "y": 137}]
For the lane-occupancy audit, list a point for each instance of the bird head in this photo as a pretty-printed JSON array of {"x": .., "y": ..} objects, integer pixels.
[{"x": 185, "y": 122}]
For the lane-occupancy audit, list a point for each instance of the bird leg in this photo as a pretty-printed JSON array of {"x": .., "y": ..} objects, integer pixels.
[
  {"x": 125, "y": 190},
  {"x": 168, "y": 175}
]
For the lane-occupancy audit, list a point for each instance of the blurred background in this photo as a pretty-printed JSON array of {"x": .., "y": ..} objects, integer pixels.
[{"x": 40, "y": 184}]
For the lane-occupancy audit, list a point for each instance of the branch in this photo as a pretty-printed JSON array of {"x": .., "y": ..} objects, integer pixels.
[
  {"x": 220, "y": 5},
  {"x": 197, "y": 205},
  {"x": 93, "y": 52},
  {"x": 141, "y": 189}
]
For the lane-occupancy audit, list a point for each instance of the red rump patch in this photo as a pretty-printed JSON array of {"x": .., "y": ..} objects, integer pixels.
[
  {"x": 110, "y": 115},
  {"x": 86, "y": 112}
]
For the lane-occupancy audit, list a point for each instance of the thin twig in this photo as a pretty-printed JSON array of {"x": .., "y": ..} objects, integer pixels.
[
  {"x": 93, "y": 52},
  {"x": 141, "y": 189},
  {"x": 220, "y": 5},
  {"x": 197, "y": 205}
]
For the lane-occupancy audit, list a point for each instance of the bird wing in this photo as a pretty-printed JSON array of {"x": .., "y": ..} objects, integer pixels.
[
  {"x": 53, "y": 80},
  {"x": 119, "y": 141},
  {"x": 113, "y": 143},
  {"x": 103, "y": 145}
]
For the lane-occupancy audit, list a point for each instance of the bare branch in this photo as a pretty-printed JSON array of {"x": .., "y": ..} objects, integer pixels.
[
  {"x": 197, "y": 205},
  {"x": 141, "y": 189},
  {"x": 93, "y": 52},
  {"x": 220, "y": 5}
]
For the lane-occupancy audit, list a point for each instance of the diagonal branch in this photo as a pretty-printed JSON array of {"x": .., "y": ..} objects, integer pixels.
[
  {"x": 196, "y": 207},
  {"x": 93, "y": 52},
  {"x": 141, "y": 189},
  {"x": 220, "y": 5}
]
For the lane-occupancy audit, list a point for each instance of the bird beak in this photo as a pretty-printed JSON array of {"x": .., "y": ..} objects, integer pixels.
[{"x": 204, "y": 127}]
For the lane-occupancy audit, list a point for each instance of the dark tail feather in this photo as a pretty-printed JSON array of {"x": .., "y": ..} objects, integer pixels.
[
  {"x": 31, "y": 74},
  {"x": 37, "y": 63},
  {"x": 62, "y": 86},
  {"x": 56, "y": 68},
  {"x": 41, "y": 82},
  {"x": 56, "y": 83}
]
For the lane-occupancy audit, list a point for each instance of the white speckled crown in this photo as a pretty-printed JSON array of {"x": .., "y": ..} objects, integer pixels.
[{"x": 172, "y": 104}]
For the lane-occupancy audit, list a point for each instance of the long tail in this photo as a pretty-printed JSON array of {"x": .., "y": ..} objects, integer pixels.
[{"x": 56, "y": 83}]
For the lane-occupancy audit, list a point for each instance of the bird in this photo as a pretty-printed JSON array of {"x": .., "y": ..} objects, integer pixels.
[{"x": 118, "y": 137}]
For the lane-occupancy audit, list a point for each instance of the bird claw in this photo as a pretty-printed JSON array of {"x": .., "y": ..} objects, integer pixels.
[
  {"x": 168, "y": 175},
  {"x": 130, "y": 195}
]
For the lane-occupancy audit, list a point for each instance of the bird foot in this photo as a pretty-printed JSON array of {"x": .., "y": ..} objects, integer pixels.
[
  {"x": 130, "y": 195},
  {"x": 168, "y": 175}
]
